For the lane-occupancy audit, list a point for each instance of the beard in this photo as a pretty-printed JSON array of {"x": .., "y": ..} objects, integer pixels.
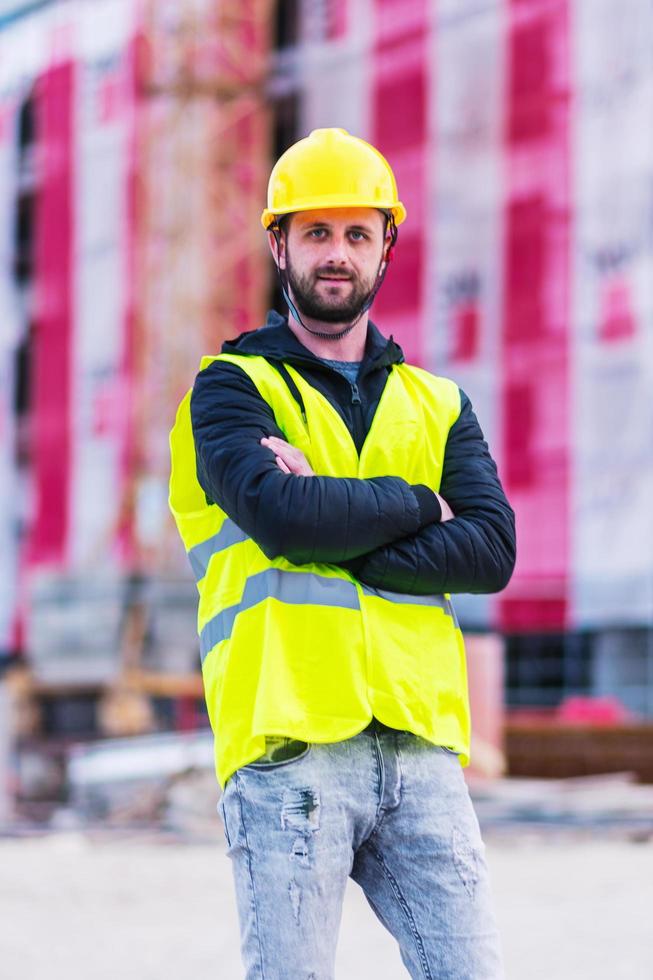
[{"x": 329, "y": 309}]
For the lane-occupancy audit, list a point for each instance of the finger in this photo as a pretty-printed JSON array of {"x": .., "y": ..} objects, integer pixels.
[
  {"x": 276, "y": 441},
  {"x": 281, "y": 452},
  {"x": 289, "y": 459},
  {"x": 276, "y": 445},
  {"x": 282, "y": 465},
  {"x": 291, "y": 455}
]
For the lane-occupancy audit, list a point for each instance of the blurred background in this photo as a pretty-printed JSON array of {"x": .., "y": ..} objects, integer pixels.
[{"x": 136, "y": 138}]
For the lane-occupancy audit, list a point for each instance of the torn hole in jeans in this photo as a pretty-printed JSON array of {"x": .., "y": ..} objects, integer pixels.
[{"x": 465, "y": 859}]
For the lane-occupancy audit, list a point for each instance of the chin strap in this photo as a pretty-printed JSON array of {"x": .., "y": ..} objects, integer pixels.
[{"x": 380, "y": 276}]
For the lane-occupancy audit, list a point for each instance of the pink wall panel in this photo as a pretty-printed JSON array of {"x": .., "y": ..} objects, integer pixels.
[
  {"x": 53, "y": 272},
  {"x": 535, "y": 343}
]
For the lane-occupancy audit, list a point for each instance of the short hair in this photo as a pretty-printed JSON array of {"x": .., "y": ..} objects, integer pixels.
[{"x": 283, "y": 221}]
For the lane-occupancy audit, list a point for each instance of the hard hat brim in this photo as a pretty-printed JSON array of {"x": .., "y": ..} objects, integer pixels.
[{"x": 397, "y": 209}]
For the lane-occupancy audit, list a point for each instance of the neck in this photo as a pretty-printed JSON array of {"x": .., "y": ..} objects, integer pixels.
[{"x": 351, "y": 347}]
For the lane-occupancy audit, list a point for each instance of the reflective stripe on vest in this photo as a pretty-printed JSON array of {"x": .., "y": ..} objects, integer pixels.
[
  {"x": 200, "y": 555},
  {"x": 221, "y": 625},
  {"x": 292, "y": 588},
  {"x": 304, "y": 588}
]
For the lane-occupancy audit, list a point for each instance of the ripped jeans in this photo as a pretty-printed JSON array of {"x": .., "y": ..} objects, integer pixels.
[{"x": 386, "y": 808}]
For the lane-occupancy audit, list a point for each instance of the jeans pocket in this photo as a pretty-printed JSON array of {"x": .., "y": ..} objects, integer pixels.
[{"x": 293, "y": 751}]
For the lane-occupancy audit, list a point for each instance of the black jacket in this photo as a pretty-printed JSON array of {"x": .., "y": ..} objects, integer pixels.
[{"x": 387, "y": 532}]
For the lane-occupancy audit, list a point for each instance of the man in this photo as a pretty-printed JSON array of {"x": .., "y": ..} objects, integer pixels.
[{"x": 330, "y": 497}]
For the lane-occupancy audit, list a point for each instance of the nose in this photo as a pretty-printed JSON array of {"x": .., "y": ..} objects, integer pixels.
[{"x": 337, "y": 253}]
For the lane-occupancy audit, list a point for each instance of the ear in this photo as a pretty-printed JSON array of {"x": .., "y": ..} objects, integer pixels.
[
  {"x": 389, "y": 242},
  {"x": 388, "y": 245},
  {"x": 277, "y": 243}
]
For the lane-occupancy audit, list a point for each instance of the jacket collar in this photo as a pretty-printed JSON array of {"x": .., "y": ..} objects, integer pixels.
[{"x": 276, "y": 341}]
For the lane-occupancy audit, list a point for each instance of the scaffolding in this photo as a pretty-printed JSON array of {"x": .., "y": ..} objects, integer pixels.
[{"x": 202, "y": 146}]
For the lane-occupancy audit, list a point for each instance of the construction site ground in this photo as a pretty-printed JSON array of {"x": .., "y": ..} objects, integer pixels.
[{"x": 572, "y": 905}]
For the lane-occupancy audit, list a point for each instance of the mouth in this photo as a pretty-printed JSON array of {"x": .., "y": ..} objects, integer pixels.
[{"x": 335, "y": 278}]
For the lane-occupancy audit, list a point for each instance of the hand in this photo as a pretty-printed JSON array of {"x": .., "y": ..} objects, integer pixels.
[
  {"x": 289, "y": 459},
  {"x": 447, "y": 513}
]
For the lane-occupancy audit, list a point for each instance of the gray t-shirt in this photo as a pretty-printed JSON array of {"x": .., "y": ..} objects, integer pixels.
[{"x": 349, "y": 369}]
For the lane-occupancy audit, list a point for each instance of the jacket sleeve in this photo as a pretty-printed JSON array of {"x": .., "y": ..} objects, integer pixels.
[
  {"x": 475, "y": 551},
  {"x": 304, "y": 519}
]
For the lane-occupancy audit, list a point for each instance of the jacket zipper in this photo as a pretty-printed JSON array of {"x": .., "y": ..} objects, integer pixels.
[{"x": 359, "y": 421}]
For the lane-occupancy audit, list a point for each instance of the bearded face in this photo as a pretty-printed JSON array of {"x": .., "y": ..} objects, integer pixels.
[
  {"x": 332, "y": 261},
  {"x": 329, "y": 295}
]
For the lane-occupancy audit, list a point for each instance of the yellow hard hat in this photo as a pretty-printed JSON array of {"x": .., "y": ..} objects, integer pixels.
[{"x": 331, "y": 169}]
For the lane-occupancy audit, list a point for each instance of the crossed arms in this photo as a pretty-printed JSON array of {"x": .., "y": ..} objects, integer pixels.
[{"x": 388, "y": 532}]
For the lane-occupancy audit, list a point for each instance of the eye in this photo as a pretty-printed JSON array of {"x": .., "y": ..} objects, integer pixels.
[
  {"x": 317, "y": 233},
  {"x": 358, "y": 236}
]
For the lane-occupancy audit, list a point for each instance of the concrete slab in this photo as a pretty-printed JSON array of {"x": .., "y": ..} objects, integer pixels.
[{"x": 152, "y": 909}]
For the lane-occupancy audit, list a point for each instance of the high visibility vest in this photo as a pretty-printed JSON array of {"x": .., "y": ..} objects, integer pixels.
[{"x": 308, "y": 651}]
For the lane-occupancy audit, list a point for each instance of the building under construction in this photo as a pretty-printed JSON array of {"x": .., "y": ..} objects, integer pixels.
[{"x": 135, "y": 143}]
